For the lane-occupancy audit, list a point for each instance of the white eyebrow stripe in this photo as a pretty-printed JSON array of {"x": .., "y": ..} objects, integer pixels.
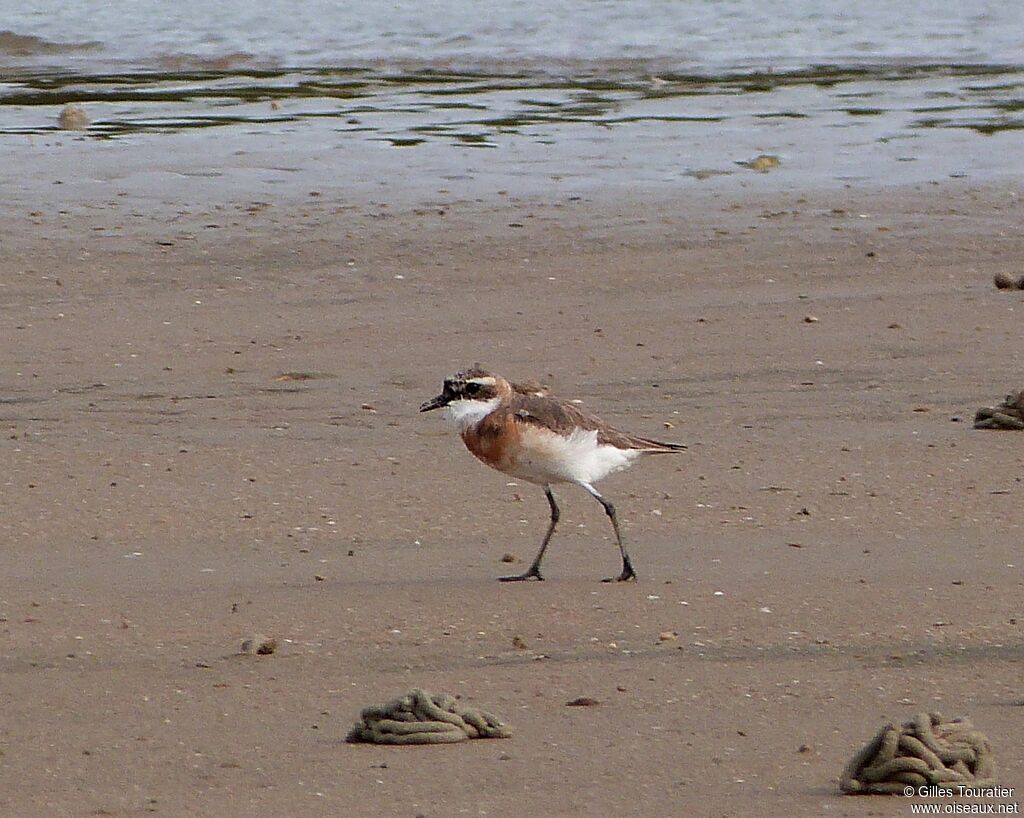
[{"x": 484, "y": 381}]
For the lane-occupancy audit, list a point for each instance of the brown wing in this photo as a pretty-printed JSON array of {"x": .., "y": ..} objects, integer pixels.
[{"x": 564, "y": 418}]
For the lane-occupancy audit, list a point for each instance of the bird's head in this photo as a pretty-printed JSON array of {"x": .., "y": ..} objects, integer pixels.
[
  {"x": 475, "y": 385},
  {"x": 469, "y": 396}
]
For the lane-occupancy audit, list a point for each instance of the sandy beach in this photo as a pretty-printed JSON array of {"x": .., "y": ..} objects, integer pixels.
[{"x": 210, "y": 430}]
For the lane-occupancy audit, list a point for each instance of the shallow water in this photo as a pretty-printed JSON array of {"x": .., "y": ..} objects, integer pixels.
[
  {"x": 406, "y": 108},
  {"x": 702, "y": 36},
  {"x": 651, "y": 92}
]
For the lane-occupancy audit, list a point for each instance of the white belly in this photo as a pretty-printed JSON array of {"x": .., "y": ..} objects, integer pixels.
[{"x": 547, "y": 457}]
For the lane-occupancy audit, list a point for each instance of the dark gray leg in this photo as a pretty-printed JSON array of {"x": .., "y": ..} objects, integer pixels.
[
  {"x": 609, "y": 509},
  {"x": 533, "y": 572}
]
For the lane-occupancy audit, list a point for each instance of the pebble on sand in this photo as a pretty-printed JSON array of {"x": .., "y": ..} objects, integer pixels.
[
  {"x": 1007, "y": 415},
  {"x": 763, "y": 163},
  {"x": 259, "y": 645},
  {"x": 1005, "y": 281},
  {"x": 73, "y": 118}
]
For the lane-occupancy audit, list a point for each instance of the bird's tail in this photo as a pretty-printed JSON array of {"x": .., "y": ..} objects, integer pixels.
[{"x": 661, "y": 447}]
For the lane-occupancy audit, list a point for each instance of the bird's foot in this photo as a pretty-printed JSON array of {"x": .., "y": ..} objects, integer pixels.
[
  {"x": 627, "y": 574},
  {"x": 532, "y": 573}
]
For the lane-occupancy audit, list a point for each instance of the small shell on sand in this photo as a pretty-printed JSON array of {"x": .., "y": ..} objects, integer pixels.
[{"x": 73, "y": 118}]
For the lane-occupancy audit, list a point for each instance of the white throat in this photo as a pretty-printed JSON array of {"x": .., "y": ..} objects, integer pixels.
[{"x": 466, "y": 413}]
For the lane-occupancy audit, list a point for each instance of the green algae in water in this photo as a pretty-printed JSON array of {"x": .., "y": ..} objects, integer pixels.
[{"x": 407, "y": 108}]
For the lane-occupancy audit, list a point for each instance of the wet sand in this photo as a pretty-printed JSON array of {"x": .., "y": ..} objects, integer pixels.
[{"x": 210, "y": 430}]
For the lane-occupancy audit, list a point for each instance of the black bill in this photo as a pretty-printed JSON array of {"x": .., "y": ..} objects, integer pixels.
[{"x": 436, "y": 403}]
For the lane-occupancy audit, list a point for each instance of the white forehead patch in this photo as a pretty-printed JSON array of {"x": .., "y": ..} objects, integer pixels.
[{"x": 465, "y": 413}]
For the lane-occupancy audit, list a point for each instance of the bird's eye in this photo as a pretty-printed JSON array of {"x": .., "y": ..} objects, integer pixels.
[{"x": 472, "y": 388}]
